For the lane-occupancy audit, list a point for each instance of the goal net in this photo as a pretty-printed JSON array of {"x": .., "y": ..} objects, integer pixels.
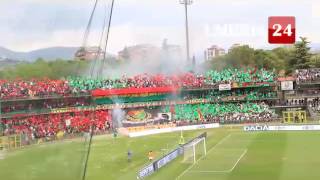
[
  {"x": 2, "y": 154},
  {"x": 2, "y": 148},
  {"x": 194, "y": 150}
]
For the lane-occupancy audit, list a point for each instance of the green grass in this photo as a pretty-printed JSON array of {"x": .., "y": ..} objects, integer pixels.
[{"x": 232, "y": 155}]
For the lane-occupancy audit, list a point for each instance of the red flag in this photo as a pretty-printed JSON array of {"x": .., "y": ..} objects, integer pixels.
[
  {"x": 200, "y": 115},
  {"x": 172, "y": 109}
]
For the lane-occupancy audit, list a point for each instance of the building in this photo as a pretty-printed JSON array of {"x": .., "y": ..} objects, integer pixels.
[
  {"x": 171, "y": 51},
  {"x": 89, "y": 53},
  {"x": 139, "y": 52},
  {"x": 214, "y": 51},
  {"x": 234, "y": 46}
]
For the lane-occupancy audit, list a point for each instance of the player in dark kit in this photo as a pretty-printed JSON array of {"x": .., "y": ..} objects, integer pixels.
[{"x": 129, "y": 155}]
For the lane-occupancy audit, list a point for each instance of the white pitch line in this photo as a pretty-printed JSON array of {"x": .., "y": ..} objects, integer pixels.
[
  {"x": 225, "y": 171},
  {"x": 244, "y": 153},
  {"x": 185, "y": 171}
]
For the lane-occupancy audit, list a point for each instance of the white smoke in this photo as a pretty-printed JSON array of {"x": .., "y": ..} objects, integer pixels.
[
  {"x": 150, "y": 59},
  {"x": 118, "y": 115}
]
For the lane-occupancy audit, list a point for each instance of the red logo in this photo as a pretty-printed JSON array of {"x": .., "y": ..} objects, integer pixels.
[{"x": 282, "y": 30}]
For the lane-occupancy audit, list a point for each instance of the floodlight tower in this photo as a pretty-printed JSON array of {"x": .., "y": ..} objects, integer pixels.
[{"x": 186, "y": 3}]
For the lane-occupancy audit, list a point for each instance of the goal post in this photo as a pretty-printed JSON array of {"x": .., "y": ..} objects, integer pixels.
[
  {"x": 11, "y": 142},
  {"x": 194, "y": 150}
]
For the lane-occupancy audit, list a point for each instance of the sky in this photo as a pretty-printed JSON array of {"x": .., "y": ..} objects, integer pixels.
[{"x": 31, "y": 24}]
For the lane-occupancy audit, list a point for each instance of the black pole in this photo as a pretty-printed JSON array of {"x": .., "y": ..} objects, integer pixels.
[
  {"x": 87, "y": 32},
  {"x": 107, "y": 39},
  {"x": 88, "y": 154}
]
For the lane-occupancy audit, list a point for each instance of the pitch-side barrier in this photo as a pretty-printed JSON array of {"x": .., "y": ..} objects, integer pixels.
[
  {"x": 173, "y": 129},
  {"x": 163, "y": 161},
  {"x": 281, "y": 128}
]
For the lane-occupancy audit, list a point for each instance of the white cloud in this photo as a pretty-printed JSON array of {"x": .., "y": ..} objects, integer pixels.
[
  {"x": 120, "y": 36},
  {"x": 135, "y": 27},
  {"x": 316, "y": 9}
]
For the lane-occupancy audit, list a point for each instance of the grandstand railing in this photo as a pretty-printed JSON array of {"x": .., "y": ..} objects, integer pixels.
[
  {"x": 309, "y": 82},
  {"x": 44, "y": 97},
  {"x": 48, "y": 111},
  {"x": 125, "y": 105},
  {"x": 301, "y": 95}
]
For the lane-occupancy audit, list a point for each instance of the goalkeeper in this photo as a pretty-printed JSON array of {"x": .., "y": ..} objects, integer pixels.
[{"x": 151, "y": 156}]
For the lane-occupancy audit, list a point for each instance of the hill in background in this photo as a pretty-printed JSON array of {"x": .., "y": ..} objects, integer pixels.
[{"x": 51, "y": 53}]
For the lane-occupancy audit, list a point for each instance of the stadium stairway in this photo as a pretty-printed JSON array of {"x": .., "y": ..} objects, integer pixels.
[{"x": 313, "y": 115}]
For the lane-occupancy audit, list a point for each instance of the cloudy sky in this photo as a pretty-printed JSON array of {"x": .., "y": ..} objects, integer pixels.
[{"x": 30, "y": 24}]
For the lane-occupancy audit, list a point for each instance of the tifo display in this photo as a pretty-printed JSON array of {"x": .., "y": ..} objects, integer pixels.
[
  {"x": 49, "y": 109},
  {"x": 77, "y": 85}
]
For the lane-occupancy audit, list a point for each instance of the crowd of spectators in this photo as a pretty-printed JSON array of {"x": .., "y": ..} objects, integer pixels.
[
  {"x": 33, "y": 88},
  {"x": 307, "y": 75},
  {"x": 75, "y": 85},
  {"x": 314, "y": 104},
  {"x": 239, "y": 118},
  {"x": 241, "y": 94},
  {"x": 239, "y": 76},
  {"x": 47, "y": 126},
  {"x": 224, "y": 113},
  {"x": 295, "y": 102},
  {"x": 185, "y": 80}
]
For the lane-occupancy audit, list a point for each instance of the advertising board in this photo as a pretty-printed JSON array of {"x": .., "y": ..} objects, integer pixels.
[
  {"x": 282, "y": 128},
  {"x": 173, "y": 129}
]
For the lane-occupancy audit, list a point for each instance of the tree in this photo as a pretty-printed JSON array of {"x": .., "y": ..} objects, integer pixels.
[
  {"x": 217, "y": 63},
  {"x": 301, "y": 55},
  {"x": 43, "y": 69},
  {"x": 244, "y": 56},
  {"x": 268, "y": 60},
  {"x": 284, "y": 55},
  {"x": 315, "y": 61},
  {"x": 241, "y": 56}
]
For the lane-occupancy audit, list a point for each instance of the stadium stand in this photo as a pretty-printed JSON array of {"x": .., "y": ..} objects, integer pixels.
[
  {"x": 33, "y": 88},
  {"x": 75, "y": 85},
  {"x": 240, "y": 76},
  {"x": 223, "y": 113},
  {"x": 307, "y": 75},
  {"x": 43, "y": 108},
  {"x": 314, "y": 104},
  {"x": 40, "y": 126}
]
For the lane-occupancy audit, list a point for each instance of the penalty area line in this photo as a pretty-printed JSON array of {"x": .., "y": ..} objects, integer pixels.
[
  {"x": 220, "y": 142},
  {"x": 225, "y": 171}
]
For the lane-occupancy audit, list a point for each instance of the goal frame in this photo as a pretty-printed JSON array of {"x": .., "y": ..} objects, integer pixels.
[{"x": 194, "y": 143}]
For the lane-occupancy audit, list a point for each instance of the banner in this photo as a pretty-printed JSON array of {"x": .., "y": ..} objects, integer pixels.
[
  {"x": 173, "y": 129},
  {"x": 282, "y": 128},
  {"x": 131, "y": 99},
  {"x": 224, "y": 87},
  {"x": 154, "y": 166},
  {"x": 168, "y": 158},
  {"x": 73, "y": 109},
  {"x": 256, "y": 128},
  {"x": 286, "y": 85},
  {"x": 288, "y": 78},
  {"x": 146, "y": 171},
  {"x": 295, "y": 128},
  {"x": 128, "y": 91}
]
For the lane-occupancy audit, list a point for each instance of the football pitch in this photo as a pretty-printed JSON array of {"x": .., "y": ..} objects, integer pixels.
[{"x": 232, "y": 154}]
